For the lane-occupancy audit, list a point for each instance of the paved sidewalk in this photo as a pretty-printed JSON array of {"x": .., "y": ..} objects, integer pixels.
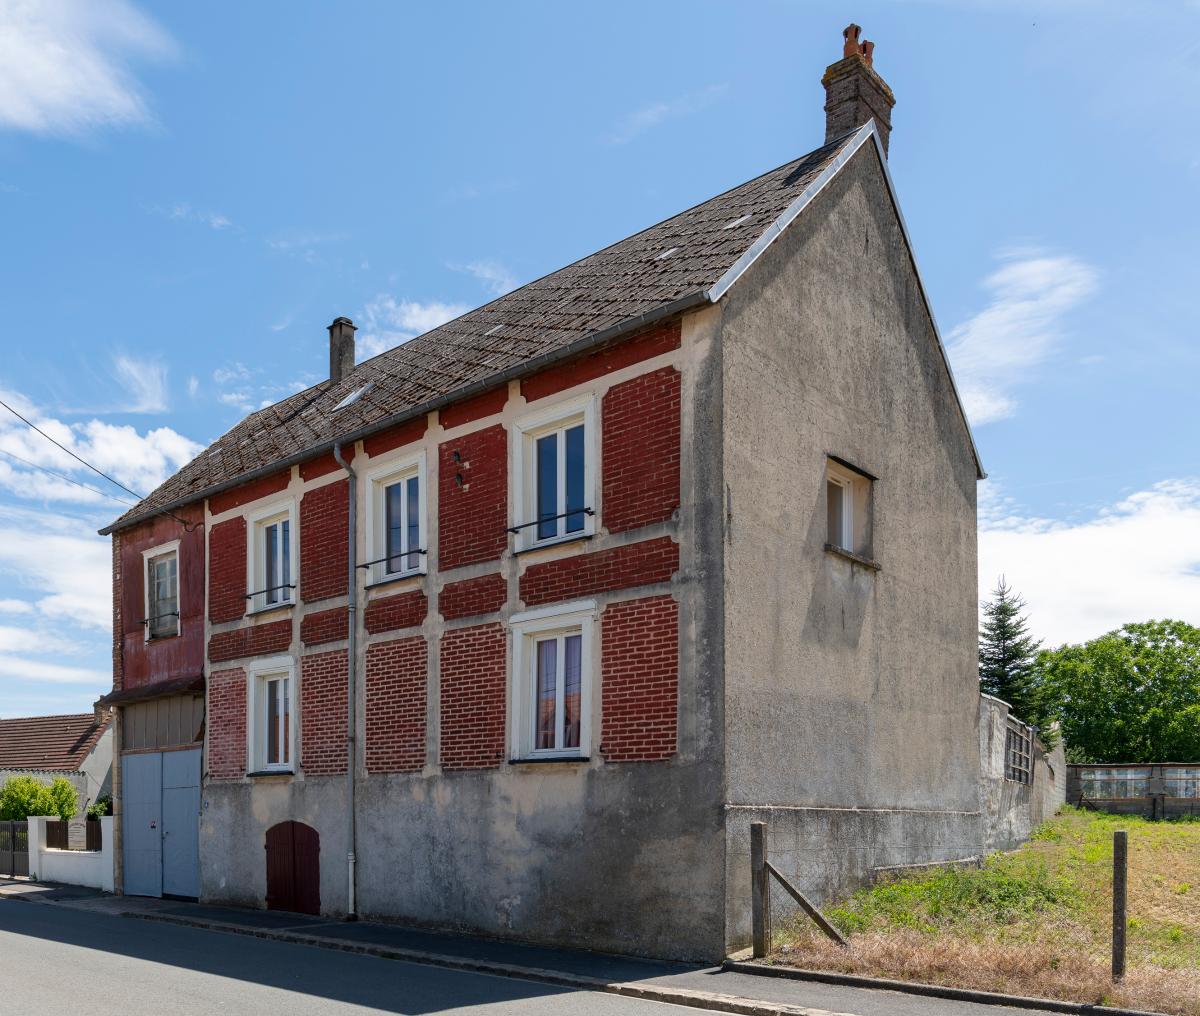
[{"x": 691, "y": 985}]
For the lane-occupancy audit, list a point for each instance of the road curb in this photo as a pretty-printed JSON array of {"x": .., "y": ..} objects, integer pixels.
[
  {"x": 709, "y": 1000},
  {"x": 929, "y": 990}
]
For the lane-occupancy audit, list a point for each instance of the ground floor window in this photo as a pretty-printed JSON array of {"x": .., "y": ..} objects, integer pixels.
[{"x": 271, "y": 725}]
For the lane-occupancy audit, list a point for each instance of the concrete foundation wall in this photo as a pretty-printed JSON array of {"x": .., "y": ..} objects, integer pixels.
[
  {"x": 851, "y": 692},
  {"x": 1011, "y": 810}
]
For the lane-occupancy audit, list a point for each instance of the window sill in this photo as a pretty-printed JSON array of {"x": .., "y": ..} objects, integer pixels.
[
  {"x": 286, "y": 774},
  {"x": 154, "y": 639},
  {"x": 849, "y": 555},
  {"x": 270, "y": 608},
  {"x": 389, "y": 580},
  {"x": 562, "y": 541},
  {"x": 541, "y": 760}
]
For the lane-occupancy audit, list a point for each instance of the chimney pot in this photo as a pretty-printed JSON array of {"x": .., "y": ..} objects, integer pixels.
[
  {"x": 854, "y": 91},
  {"x": 341, "y": 348}
]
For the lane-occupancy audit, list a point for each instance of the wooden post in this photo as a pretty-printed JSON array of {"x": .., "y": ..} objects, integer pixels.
[
  {"x": 1120, "y": 885},
  {"x": 760, "y": 891}
]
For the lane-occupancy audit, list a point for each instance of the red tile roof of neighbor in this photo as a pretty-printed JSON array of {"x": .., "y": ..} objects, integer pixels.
[{"x": 49, "y": 743}]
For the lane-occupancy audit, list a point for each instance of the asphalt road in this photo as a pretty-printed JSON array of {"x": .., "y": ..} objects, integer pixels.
[{"x": 56, "y": 960}]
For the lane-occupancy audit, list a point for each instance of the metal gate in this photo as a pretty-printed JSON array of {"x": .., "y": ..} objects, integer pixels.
[
  {"x": 161, "y": 824},
  {"x": 293, "y": 868},
  {"x": 14, "y": 848}
]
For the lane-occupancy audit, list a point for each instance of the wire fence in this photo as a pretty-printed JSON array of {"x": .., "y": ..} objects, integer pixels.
[{"x": 1039, "y": 921}]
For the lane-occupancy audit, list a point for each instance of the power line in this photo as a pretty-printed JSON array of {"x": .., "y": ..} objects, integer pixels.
[
  {"x": 51, "y": 472},
  {"x": 98, "y": 472}
]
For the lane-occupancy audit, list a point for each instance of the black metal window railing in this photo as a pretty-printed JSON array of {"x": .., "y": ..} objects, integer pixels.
[
  {"x": 552, "y": 518},
  {"x": 398, "y": 556},
  {"x": 272, "y": 589}
]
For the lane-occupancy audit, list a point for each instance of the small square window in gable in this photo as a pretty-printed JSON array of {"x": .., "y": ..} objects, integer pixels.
[{"x": 849, "y": 497}]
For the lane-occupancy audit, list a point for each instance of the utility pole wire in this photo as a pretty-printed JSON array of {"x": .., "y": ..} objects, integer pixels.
[
  {"x": 51, "y": 472},
  {"x": 98, "y": 472}
]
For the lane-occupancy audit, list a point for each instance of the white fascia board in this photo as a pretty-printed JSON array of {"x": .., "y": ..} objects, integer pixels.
[{"x": 867, "y": 132}]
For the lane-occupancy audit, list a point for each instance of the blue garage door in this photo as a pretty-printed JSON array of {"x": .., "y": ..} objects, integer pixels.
[{"x": 160, "y": 826}]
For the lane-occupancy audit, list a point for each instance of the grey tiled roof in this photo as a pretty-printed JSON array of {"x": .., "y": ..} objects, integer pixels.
[{"x": 615, "y": 286}]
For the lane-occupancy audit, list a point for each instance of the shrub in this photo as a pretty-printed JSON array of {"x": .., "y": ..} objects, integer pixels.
[{"x": 23, "y": 796}]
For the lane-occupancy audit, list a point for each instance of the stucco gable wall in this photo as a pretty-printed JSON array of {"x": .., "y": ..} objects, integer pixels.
[{"x": 846, "y": 687}]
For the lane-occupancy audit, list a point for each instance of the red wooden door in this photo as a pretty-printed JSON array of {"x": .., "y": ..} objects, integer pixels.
[{"x": 293, "y": 868}]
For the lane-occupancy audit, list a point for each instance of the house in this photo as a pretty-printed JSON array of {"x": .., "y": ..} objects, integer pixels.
[
  {"x": 516, "y": 627},
  {"x": 75, "y": 747}
]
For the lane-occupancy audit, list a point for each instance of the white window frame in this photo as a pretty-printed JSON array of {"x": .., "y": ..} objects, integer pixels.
[
  {"x": 526, "y": 431},
  {"x": 148, "y": 556},
  {"x": 256, "y": 558},
  {"x": 378, "y": 480},
  {"x": 527, "y": 628},
  {"x": 257, "y": 677},
  {"x": 838, "y": 479}
]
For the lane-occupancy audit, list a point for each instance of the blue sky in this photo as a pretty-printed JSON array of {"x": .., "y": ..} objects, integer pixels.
[{"x": 190, "y": 193}]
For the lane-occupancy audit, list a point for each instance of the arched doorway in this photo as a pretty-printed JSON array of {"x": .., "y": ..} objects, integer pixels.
[{"x": 293, "y": 868}]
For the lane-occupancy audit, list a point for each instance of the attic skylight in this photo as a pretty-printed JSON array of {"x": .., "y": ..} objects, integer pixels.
[
  {"x": 354, "y": 396},
  {"x": 493, "y": 330},
  {"x": 737, "y": 222},
  {"x": 666, "y": 254}
]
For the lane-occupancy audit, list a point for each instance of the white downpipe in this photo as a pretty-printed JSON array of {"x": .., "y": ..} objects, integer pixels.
[{"x": 351, "y": 677}]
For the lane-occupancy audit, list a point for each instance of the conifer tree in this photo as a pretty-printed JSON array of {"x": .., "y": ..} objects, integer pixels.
[{"x": 1008, "y": 659}]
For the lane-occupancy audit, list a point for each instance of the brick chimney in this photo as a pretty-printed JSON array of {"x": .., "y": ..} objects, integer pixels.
[
  {"x": 341, "y": 348},
  {"x": 854, "y": 93}
]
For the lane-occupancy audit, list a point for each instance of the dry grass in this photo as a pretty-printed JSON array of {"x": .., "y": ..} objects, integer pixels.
[{"x": 1036, "y": 921}]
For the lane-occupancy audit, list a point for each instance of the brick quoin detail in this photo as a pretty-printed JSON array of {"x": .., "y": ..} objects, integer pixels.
[
  {"x": 483, "y": 595},
  {"x": 247, "y": 492},
  {"x": 257, "y": 640},
  {"x": 640, "y": 679},
  {"x": 396, "y": 437},
  {"x": 323, "y": 541},
  {"x": 403, "y": 610},
  {"x": 473, "y": 518},
  {"x": 475, "y": 408},
  {"x": 638, "y": 564},
  {"x": 227, "y": 571},
  {"x": 323, "y": 713},
  {"x": 225, "y": 704},
  {"x": 325, "y": 626},
  {"x": 395, "y": 707},
  {"x": 118, "y": 640},
  {"x": 472, "y": 697},
  {"x": 640, "y": 469},
  {"x": 662, "y": 339}
]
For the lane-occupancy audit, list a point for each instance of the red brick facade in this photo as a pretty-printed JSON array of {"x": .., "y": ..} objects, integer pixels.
[
  {"x": 325, "y": 464},
  {"x": 322, "y": 626},
  {"x": 256, "y": 640},
  {"x": 400, "y": 610},
  {"x": 640, "y": 469},
  {"x": 396, "y": 688},
  {"x": 483, "y": 595},
  {"x": 660, "y": 339},
  {"x": 473, "y": 684},
  {"x": 227, "y": 571},
  {"x": 226, "y": 721},
  {"x": 476, "y": 408},
  {"x": 247, "y": 492},
  {"x": 323, "y": 713},
  {"x": 603, "y": 571},
  {"x": 473, "y": 498},
  {"x": 396, "y": 437},
  {"x": 640, "y": 679},
  {"x": 324, "y": 541}
]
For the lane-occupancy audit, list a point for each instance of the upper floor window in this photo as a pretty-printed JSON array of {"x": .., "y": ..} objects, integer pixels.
[
  {"x": 551, "y": 682},
  {"x": 162, "y": 591},
  {"x": 847, "y": 509},
  {"x": 555, "y": 458},
  {"x": 271, "y": 723},
  {"x": 272, "y": 558},
  {"x": 396, "y": 519}
]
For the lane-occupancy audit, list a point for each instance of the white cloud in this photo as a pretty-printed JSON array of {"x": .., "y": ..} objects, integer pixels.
[
  {"x": 496, "y": 278},
  {"x": 26, "y": 669},
  {"x": 232, "y": 372},
  {"x": 185, "y": 212},
  {"x": 193, "y": 386},
  {"x": 388, "y": 322},
  {"x": 15, "y": 607},
  {"x": 656, "y": 113},
  {"x": 146, "y": 383},
  {"x": 1132, "y": 561},
  {"x": 994, "y": 351},
  {"x": 64, "y": 65}
]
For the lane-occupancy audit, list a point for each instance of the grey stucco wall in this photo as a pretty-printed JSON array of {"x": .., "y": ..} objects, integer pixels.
[
  {"x": 851, "y": 694},
  {"x": 1011, "y": 811},
  {"x": 627, "y": 857}
]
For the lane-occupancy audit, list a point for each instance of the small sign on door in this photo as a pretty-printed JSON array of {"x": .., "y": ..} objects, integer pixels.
[{"x": 77, "y": 833}]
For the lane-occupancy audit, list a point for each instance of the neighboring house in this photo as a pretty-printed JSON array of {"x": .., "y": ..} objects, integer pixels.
[
  {"x": 77, "y": 747},
  {"x": 678, "y": 537}
]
